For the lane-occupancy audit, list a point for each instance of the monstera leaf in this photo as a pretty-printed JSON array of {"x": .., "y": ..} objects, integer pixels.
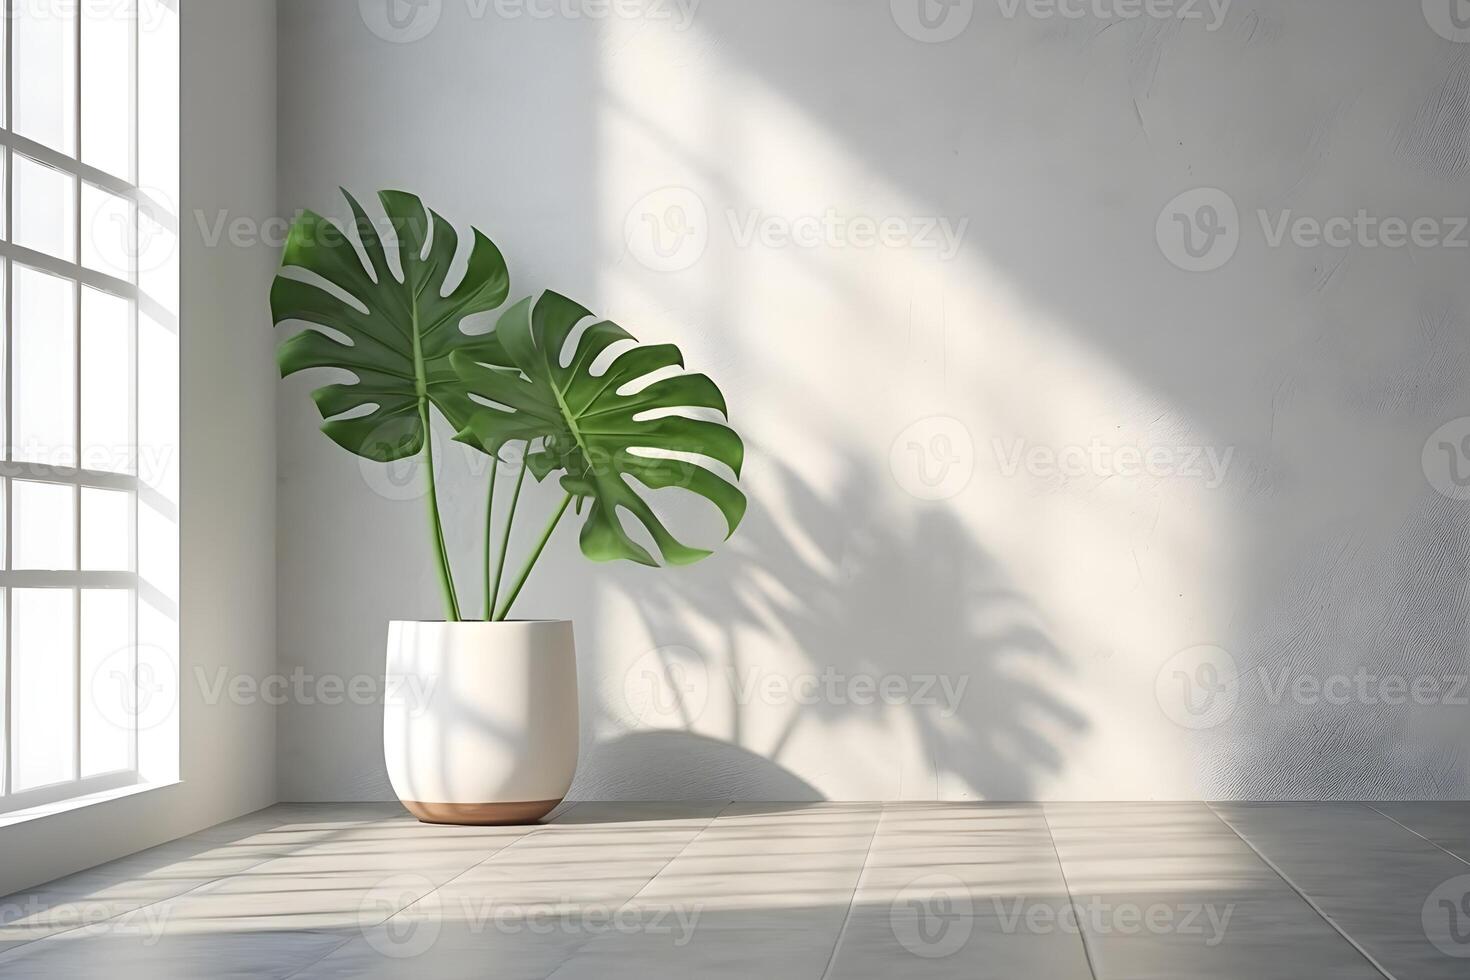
[
  {"x": 399, "y": 332},
  {"x": 585, "y": 428}
]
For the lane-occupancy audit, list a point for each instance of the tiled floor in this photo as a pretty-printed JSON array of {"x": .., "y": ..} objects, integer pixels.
[{"x": 1055, "y": 892}]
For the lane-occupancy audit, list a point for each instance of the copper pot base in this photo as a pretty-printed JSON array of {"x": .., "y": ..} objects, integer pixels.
[{"x": 481, "y": 814}]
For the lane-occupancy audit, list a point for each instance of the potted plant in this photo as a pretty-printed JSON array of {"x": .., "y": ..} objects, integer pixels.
[{"x": 497, "y": 740}]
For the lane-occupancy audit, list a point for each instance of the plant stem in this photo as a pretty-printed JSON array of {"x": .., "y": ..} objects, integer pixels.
[
  {"x": 509, "y": 521},
  {"x": 421, "y": 389},
  {"x": 446, "y": 574},
  {"x": 490, "y": 596},
  {"x": 531, "y": 562}
]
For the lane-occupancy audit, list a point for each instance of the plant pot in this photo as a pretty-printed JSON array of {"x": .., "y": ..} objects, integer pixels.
[{"x": 480, "y": 722}]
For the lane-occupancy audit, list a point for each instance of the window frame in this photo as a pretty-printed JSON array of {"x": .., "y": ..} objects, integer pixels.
[{"x": 76, "y": 477}]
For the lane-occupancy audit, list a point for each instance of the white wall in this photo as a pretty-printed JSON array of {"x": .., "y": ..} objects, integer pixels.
[
  {"x": 1068, "y": 604},
  {"x": 227, "y": 476},
  {"x": 228, "y": 425}
]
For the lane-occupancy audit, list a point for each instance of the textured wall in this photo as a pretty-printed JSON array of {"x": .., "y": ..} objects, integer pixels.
[{"x": 1063, "y": 422}]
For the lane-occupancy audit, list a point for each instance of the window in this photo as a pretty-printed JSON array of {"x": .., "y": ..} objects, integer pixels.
[{"x": 89, "y": 398}]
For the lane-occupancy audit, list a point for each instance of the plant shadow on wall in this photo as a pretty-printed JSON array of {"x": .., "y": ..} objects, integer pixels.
[
  {"x": 859, "y": 598},
  {"x": 1065, "y": 141}
]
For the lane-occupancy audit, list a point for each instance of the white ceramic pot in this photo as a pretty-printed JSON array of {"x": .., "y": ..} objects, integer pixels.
[{"x": 480, "y": 722}]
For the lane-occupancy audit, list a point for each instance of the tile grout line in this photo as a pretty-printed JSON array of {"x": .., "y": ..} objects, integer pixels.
[
  {"x": 651, "y": 878},
  {"x": 1311, "y": 903},
  {"x": 852, "y": 900},
  {"x": 537, "y": 832},
  {"x": 1416, "y": 833},
  {"x": 1067, "y": 887}
]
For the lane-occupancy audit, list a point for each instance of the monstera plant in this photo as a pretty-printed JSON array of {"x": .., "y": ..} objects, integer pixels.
[
  {"x": 388, "y": 315},
  {"x": 498, "y": 742}
]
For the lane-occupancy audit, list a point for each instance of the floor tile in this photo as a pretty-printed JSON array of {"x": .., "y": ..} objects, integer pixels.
[
  {"x": 956, "y": 890},
  {"x": 1379, "y": 883},
  {"x": 1446, "y": 824},
  {"x": 526, "y": 909},
  {"x": 1168, "y": 891},
  {"x": 134, "y": 952},
  {"x": 229, "y": 876},
  {"x": 392, "y": 847},
  {"x": 125, "y": 885},
  {"x": 77, "y": 902},
  {"x": 774, "y": 882}
]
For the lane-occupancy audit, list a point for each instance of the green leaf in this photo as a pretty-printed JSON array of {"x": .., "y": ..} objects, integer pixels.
[
  {"x": 590, "y": 433},
  {"x": 399, "y": 331}
]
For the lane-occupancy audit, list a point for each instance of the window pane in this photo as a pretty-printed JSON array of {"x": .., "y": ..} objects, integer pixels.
[
  {"x": 45, "y": 209},
  {"x": 107, "y": 371},
  {"x": 158, "y": 257},
  {"x": 107, "y": 530},
  {"x": 109, "y": 696},
  {"x": 107, "y": 232},
  {"x": 43, "y": 666},
  {"x": 44, "y": 375},
  {"x": 4, "y": 26},
  {"x": 158, "y": 462},
  {"x": 45, "y": 72},
  {"x": 107, "y": 54},
  {"x": 158, "y": 408},
  {"x": 5, "y": 312},
  {"x": 158, "y": 85},
  {"x": 4, "y": 694},
  {"x": 44, "y": 525}
]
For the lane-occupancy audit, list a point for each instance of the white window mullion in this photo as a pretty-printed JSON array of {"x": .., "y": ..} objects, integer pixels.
[
  {"x": 134, "y": 425},
  {"x": 41, "y": 153},
  {"x": 76, "y": 392},
  {"x": 5, "y": 409},
  {"x": 70, "y": 580},
  {"x": 67, "y": 475},
  {"x": 137, "y": 491},
  {"x": 50, "y": 264}
]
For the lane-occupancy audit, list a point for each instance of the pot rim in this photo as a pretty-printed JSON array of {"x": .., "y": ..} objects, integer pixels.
[{"x": 479, "y": 622}]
